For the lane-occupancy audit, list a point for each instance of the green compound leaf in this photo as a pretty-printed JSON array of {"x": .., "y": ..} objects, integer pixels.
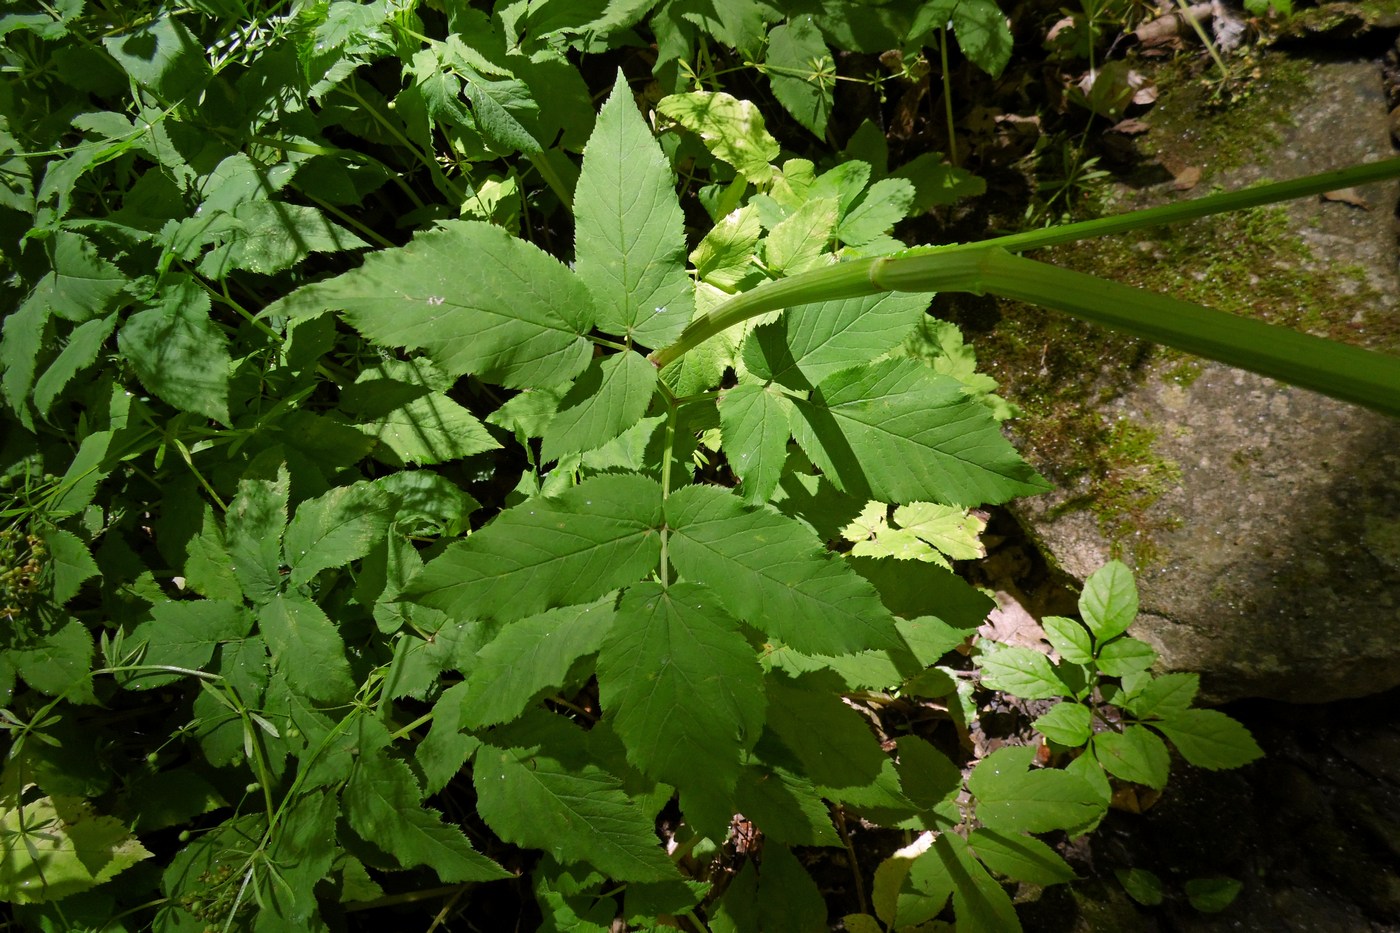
[
  {"x": 629, "y": 230},
  {"x": 799, "y": 242},
  {"x": 983, "y": 33},
  {"x": 811, "y": 342},
  {"x": 550, "y": 796},
  {"x": 1164, "y": 696},
  {"x": 81, "y": 350},
  {"x": 681, "y": 685},
  {"x": 307, "y": 648},
  {"x": 270, "y": 236},
  {"x": 1012, "y": 799},
  {"x": 896, "y": 432},
  {"x": 24, "y": 335},
  {"x": 1069, "y": 638},
  {"x": 1022, "y": 672},
  {"x": 1109, "y": 602},
  {"x": 256, "y": 518},
  {"x": 82, "y": 285},
  {"x": 519, "y": 320},
  {"x": 785, "y": 806},
  {"x": 772, "y": 572},
  {"x": 724, "y": 257},
  {"x": 430, "y": 429},
  {"x": 754, "y": 424},
  {"x": 1066, "y": 724},
  {"x": 832, "y": 741},
  {"x": 1142, "y": 885},
  {"x": 59, "y": 664},
  {"x": 979, "y": 901},
  {"x": 1135, "y": 754},
  {"x": 384, "y": 805},
  {"x": 789, "y": 901},
  {"x": 802, "y": 72},
  {"x": 884, "y": 205},
  {"x": 55, "y": 847},
  {"x": 1021, "y": 858},
  {"x": 546, "y": 552},
  {"x": 1209, "y": 739},
  {"x": 177, "y": 351},
  {"x": 730, "y": 128},
  {"x": 1125, "y": 656},
  {"x": 336, "y": 528},
  {"x": 529, "y": 656},
  {"x": 1212, "y": 895},
  {"x": 611, "y": 396},
  {"x": 183, "y": 634},
  {"x": 70, "y": 562}
]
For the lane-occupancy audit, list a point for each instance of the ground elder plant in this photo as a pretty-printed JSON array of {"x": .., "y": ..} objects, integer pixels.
[{"x": 416, "y": 491}]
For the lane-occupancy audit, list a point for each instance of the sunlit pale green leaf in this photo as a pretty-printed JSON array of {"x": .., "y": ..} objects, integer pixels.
[
  {"x": 629, "y": 232},
  {"x": 731, "y": 128},
  {"x": 1022, "y": 672},
  {"x": 800, "y": 241},
  {"x": 520, "y": 321},
  {"x": 598, "y": 536},
  {"x": 725, "y": 256},
  {"x": 1069, "y": 638},
  {"x": 885, "y": 204},
  {"x": 983, "y": 34},
  {"x": 55, "y": 847},
  {"x": 1165, "y": 695},
  {"x": 1124, "y": 656},
  {"x": 811, "y": 342},
  {"x": 774, "y": 574},
  {"x": 1109, "y": 601},
  {"x": 431, "y": 429}
]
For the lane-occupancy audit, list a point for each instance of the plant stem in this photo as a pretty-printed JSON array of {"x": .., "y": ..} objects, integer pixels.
[{"x": 1349, "y": 373}]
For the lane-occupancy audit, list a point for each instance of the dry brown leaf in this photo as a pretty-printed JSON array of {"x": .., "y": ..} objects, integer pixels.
[
  {"x": 1010, "y": 624},
  {"x": 1187, "y": 178},
  {"x": 1347, "y": 196},
  {"x": 1130, "y": 127}
]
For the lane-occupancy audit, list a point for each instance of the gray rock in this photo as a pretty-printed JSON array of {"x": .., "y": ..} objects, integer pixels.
[{"x": 1276, "y": 567}]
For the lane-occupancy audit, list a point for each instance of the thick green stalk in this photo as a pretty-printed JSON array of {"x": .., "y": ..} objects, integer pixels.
[
  {"x": 1336, "y": 369},
  {"x": 1356, "y": 375}
]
